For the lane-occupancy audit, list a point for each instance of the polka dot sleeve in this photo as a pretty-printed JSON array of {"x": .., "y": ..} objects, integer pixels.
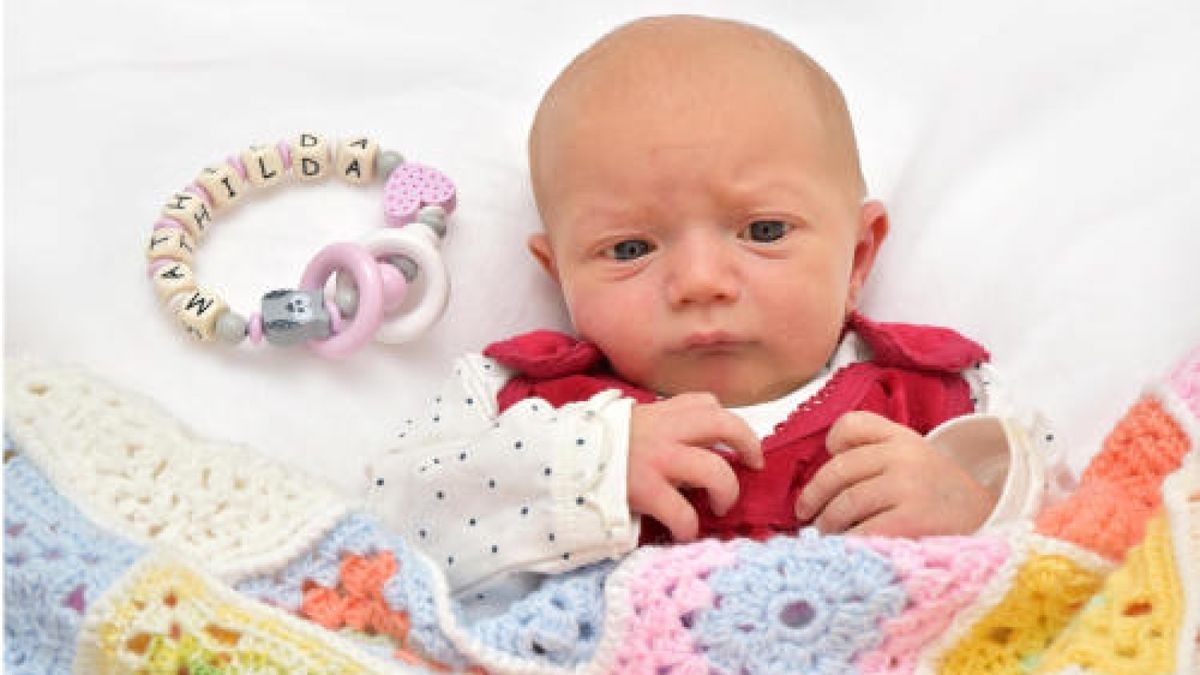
[{"x": 537, "y": 488}]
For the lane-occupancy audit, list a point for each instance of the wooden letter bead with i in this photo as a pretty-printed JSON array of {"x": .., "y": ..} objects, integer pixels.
[
  {"x": 170, "y": 242},
  {"x": 199, "y": 311},
  {"x": 172, "y": 278},
  {"x": 264, "y": 165},
  {"x": 356, "y": 160},
  {"x": 310, "y": 157},
  {"x": 223, "y": 184},
  {"x": 189, "y": 210}
]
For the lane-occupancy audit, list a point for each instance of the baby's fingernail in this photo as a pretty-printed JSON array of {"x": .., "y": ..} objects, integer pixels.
[{"x": 802, "y": 509}]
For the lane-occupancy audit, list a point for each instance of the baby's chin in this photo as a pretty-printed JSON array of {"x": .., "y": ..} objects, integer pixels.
[{"x": 730, "y": 392}]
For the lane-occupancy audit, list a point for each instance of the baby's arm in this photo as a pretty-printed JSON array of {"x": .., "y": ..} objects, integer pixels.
[
  {"x": 536, "y": 488},
  {"x": 668, "y": 449}
]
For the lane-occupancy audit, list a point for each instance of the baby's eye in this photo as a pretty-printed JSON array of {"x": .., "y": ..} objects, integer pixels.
[
  {"x": 629, "y": 249},
  {"x": 764, "y": 231}
]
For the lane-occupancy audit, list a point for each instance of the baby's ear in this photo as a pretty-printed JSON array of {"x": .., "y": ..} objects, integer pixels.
[
  {"x": 872, "y": 229},
  {"x": 539, "y": 246}
]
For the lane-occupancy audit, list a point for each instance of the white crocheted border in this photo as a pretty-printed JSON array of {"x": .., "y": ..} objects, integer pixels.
[
  {"x": 64, "y": 419},
  {"x": 1181, "y": 498}
]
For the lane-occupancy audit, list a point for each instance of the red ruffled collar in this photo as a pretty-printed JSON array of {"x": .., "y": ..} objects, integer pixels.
[{"x": 543, "y": 354}]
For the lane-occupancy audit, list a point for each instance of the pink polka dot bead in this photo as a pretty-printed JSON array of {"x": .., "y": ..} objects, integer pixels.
[
  {"x": 306, "y": 315},
  {"x": 412, "y": 186}
]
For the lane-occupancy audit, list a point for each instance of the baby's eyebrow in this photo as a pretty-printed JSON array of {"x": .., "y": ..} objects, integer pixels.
[
  {"x": 771, "y": 187},
  {"x": 602, "y": 214}
]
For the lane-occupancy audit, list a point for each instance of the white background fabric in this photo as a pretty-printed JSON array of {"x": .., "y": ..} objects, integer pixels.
[{"x": 1040, "y": 161}]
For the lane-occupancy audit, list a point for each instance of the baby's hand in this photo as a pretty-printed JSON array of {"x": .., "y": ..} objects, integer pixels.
[
  {"x": 885, "y": 479},
  {"x": 667, "y": 442}
]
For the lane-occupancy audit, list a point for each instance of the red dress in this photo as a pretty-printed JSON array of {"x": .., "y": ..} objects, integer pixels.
[{"x": 913, "y": 378}]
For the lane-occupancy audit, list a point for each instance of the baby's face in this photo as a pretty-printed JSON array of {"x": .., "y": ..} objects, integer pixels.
[{"x": 700, "y": 237}]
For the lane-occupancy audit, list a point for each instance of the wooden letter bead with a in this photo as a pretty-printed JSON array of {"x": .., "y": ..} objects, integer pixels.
[
  {"x": 356, "y": 160},
  {"x": 173, "y": 278}
]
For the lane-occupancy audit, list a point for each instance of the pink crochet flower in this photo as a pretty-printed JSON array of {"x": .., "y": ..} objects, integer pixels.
[{"x": 664, "y": 592}]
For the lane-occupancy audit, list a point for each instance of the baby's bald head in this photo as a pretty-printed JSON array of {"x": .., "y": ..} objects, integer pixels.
[
  {"x": 656, "y": 68},
  {"x": 698, "y": 181}
]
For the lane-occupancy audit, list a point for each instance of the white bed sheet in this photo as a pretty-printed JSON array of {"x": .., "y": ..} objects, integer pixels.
[{"x": 1041, "y": 165}]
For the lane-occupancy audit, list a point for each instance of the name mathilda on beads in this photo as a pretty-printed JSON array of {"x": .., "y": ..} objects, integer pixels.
[{"x": 371, "y": 277}]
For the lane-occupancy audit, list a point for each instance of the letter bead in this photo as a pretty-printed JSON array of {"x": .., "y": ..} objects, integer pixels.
[
  {"x": 170, "y": 242},
  {"x": 199, "y": 312},
  {"x": 173, "y": 278},
  {"x": 264, "y": 165},
  {"x": 189, "y": 210},
  {"x": 356, "y": 160},
  {"x": 224, "y": 185},
  {"x": 310, "y": 157}
]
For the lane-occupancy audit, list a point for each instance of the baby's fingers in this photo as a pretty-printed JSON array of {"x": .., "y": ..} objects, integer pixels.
[
  {"x": 659, "y": 499},
  {"x": 698, "y": 468},
  {"x": 838, "y": 475},
  {"x": 711, "y": 425}
]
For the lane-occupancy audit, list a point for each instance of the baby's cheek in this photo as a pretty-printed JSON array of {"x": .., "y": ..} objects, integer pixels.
[{"x": 622, "y": 332}]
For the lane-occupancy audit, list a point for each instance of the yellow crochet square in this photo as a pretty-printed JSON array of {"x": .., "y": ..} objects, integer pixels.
[
  {"x": 1132, "y": 626},
  {"x": 166, "y": 618},
  {"x": 1047, "y": 592}
]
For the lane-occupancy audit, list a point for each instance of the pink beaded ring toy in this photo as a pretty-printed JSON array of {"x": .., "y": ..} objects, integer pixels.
[{"x": 372, "y": 276}]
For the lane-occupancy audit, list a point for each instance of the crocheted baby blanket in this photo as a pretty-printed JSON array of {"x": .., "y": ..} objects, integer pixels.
[{"x": 132, "y": 546}]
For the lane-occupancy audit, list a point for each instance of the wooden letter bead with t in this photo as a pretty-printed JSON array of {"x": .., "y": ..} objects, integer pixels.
[
  {"x": 223, "y": 184},
  {"x": 199, "y": 312},
  {"x": 170, "y": 242},
  {"x": 356, "y": 160},
  {"x": 310, "y": 157},
  {"x": 189, "y": 210},
  {"x": 264, "y": 165},
  {"x": 172, "y": 278}
]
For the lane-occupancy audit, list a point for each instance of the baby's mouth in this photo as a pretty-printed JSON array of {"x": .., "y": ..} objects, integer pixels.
[{"x": 711, "y": 342}]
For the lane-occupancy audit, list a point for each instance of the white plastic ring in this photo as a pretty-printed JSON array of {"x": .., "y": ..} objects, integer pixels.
[{"x": 420, "y": 243}]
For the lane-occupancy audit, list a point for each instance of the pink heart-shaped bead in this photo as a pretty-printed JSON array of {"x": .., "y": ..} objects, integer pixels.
[{"x": 412, "y": 186}]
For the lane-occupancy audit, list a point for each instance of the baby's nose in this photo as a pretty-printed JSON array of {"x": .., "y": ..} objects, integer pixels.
[{"x": 701, "y": 273}]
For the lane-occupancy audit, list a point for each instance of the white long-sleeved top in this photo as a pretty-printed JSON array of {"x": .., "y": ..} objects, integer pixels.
[{"x": 495, "y": 497}]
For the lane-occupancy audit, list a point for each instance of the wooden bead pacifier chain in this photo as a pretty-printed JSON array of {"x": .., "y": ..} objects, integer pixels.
[{"x": 371, "y": 277}]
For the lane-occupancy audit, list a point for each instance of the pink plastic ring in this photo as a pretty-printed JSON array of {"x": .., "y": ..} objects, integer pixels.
[{"x": 369, "y": 314}]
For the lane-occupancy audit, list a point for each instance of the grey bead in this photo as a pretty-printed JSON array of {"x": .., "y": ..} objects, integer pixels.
[
  {"x": 292, "y": 317},
  {"x": 231, "y": 328},
  {"x": 407, "y": 266},
  {"x": 386, "y": 162},
  {"x": 435, "y": 217}
]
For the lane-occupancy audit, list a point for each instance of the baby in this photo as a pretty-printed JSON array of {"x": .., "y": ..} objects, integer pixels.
[{"x": 706, "y": 220}]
